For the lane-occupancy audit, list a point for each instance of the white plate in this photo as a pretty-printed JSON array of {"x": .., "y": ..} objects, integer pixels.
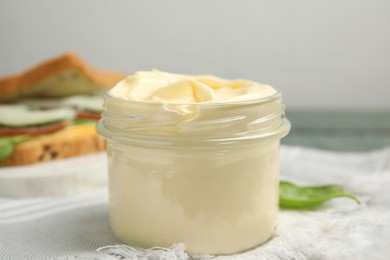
[{"x": 67, "y": 177}]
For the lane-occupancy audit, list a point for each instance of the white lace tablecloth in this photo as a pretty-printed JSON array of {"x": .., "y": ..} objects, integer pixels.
[{"x": 64, "y": 227}]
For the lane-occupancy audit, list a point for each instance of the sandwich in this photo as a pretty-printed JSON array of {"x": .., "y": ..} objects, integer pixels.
[{"x": 49, "y": 112}]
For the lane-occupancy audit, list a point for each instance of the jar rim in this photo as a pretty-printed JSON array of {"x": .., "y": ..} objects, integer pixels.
[{"x": 167, "y": 140}]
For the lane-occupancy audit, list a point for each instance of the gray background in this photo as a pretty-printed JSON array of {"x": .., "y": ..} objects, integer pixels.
[{"x": 321, "y": 54}]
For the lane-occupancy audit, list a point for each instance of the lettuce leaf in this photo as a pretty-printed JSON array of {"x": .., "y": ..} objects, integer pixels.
[{"x": 7, "y": 145}]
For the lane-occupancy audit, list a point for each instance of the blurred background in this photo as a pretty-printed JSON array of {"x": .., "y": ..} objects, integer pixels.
[{"x": 330, "y": 59}]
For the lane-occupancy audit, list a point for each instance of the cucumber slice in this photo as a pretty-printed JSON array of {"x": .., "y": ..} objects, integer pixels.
[
  {"x": 86, "y": 103},
  {"x": 39, "y": 103},
  {"x": 22, "y": 116},
  {"x": 80, "y": 102}
]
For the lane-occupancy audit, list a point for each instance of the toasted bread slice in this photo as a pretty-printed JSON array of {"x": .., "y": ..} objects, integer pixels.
[
  {"x": 71, "y": 141},
  {"x": 58, "y": 77}
]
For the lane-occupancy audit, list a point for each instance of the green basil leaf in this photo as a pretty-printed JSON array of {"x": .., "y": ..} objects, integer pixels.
[
  {"x": 292, "y": 196},
  {"x": 7, "y": 145}
]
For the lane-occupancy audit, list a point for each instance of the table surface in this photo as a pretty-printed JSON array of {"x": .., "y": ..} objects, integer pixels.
[{"x": 74, "y": 227}]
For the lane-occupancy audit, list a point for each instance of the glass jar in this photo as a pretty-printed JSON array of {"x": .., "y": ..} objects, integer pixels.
[{"x": 204, "y": 174}]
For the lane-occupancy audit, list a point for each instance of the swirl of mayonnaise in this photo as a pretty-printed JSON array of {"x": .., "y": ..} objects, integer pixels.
[{"x": 162, "y": 87}]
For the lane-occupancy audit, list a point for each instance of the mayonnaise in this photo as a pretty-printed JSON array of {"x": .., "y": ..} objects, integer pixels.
[
  {"x": 163, "y": 87},
  {"x": 193, "y": 159}
]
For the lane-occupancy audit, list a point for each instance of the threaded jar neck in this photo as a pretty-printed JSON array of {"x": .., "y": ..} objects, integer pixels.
[{"x": 165, "y": 124}]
